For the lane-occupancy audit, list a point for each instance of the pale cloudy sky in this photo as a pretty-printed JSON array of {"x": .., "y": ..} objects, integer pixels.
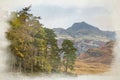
[{"x": 63, "y": 13}]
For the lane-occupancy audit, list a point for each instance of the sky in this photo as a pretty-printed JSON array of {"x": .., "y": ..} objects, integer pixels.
[{"x": 64, "y": 13}]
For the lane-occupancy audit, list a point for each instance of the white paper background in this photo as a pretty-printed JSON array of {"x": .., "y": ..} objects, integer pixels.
[{"x": 111, "y": 5}]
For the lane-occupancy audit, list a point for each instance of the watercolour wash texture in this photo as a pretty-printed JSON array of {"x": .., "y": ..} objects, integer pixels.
[{"x": 59, "y": 40}]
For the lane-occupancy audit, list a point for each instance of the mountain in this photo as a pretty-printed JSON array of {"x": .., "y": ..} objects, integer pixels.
[
  {"x": 84, "y": 36},
  {"x": 60, "y": 31},
  {"x": 94, "y": 47},
  {"x": 78, "y": 29},
  {"x": 84, "y": 30}
]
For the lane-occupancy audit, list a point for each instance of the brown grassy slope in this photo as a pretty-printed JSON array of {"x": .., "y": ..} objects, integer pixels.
[{"x": 96, "y": 60}]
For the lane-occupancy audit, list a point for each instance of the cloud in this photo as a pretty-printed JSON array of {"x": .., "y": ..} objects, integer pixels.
[
  {"x": 62, "y": 3},
  {"x": 56, "y": 16},
  {"x": 64, "y": 12}
]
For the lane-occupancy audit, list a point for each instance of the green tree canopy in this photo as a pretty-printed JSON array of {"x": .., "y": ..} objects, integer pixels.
[
  {"x": 69, "y": 54},
  {"x": 29, "y": 43},
  {"x": 34, "y": 48}
]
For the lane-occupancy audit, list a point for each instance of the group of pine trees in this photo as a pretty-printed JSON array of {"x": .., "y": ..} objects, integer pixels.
[{"x": 34, "y": 48}]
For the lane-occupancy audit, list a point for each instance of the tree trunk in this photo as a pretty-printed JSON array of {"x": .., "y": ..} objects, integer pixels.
[{"x": 66, "y": 68}]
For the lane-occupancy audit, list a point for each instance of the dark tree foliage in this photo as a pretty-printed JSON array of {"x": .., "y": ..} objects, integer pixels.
[
  {"x": 69, "y": 55},
  {"x": 33, "y": 47},
  {"x": 52, "y": 49}
]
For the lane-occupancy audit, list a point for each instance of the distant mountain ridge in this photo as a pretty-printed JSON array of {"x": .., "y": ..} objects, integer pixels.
[
  {"x": 84, "y": 36},
  {"x": 83, "y": 30}
]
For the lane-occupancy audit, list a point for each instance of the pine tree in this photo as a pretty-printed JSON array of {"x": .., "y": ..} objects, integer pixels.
[
  {"x": 52, "y": 49},
  {"x": 69, "y": 55}
]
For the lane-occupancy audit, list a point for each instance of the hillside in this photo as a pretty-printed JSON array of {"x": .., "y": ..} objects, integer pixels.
[
  {"x": 95, "y": 60},
  {"x": 94, "y": 47},
  {"x": 84, "y": 36}
]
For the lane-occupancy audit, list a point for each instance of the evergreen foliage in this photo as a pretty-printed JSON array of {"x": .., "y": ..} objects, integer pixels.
[
  {"x": 33, "y": 47},
  {"x": 69, "y": 55}
]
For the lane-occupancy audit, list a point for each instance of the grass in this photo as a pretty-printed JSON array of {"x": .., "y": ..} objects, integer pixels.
[{"x": 82, "y": 67}]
